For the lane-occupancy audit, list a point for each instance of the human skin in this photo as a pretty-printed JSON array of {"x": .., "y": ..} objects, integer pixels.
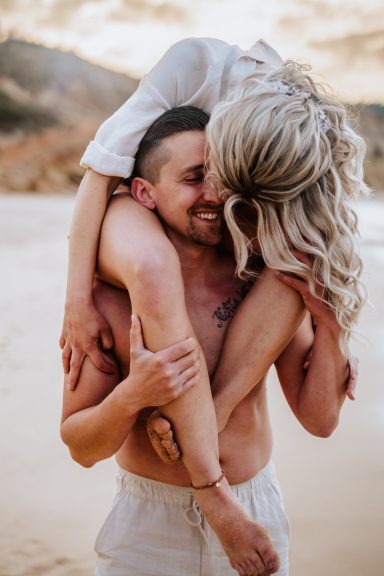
[{"x": 259, "y": 454}]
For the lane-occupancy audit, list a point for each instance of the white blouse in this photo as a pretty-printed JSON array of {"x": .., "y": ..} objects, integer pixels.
[{"x": 195, "y": 71}]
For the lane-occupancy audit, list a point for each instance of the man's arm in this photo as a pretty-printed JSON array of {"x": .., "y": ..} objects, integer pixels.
[
  {"x": 99, "y": 414},
  {"x": 264, "y": 324}
]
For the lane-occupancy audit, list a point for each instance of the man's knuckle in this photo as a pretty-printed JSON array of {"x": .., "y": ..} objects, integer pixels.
[
  {"x": 158, "y": 362},
  {"x": 170, "y": 382}
]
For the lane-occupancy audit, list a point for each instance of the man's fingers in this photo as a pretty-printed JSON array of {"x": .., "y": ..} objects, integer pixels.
[
  {"x": 187, "y": 380},
  {"x": 188, "y": 361},
  {"x": 178, "y": 350},
  {"x": 136, "y": 334}
]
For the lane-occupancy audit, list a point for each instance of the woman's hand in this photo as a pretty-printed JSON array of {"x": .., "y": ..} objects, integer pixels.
[{"x": 85, "y": 333}]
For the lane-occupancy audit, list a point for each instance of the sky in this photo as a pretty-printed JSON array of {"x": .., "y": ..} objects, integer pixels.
[{"x": 343, "y": 40}]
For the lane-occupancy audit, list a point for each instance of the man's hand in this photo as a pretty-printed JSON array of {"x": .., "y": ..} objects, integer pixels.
[
  {"x": 157, "y": 378},
  {"x": 85, "y": 333}
]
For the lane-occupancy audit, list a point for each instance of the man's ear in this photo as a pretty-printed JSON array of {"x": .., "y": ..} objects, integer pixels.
[{"x": 141, "y": 190}]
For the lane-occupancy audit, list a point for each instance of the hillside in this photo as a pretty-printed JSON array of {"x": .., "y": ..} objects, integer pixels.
[
  {"x": 51, "y": 103},
  {"x": 371, "y": 127}
]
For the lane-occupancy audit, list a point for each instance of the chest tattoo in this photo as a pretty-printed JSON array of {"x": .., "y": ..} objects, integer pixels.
[{"x": 227, "y": 309}]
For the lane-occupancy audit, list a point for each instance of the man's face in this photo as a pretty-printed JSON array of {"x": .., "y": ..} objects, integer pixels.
[{"x": 188, "y": 207}]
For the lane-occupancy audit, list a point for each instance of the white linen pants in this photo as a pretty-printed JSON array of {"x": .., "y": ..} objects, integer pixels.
[{"x": 156, "y": 529}]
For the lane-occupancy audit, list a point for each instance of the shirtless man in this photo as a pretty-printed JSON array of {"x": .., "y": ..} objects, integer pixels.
[{"x": 155, "y": 527}]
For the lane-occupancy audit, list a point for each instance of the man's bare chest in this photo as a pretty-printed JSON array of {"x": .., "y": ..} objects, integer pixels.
[{"x": 211, "y": 313}]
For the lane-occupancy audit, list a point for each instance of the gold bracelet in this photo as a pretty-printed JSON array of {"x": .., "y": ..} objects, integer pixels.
[{"x": 215, "y": 483}]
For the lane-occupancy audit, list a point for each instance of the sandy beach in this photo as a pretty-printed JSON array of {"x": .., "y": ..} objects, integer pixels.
[{"x": 51, "y": 508}]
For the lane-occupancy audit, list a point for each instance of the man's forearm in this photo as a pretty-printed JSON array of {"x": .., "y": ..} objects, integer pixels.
[
  {"x": 264, "y": 324},
  {"x": 97, "y": 432}
]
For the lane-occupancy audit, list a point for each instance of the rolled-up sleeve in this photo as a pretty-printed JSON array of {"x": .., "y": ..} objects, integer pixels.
[
  {"x": 112, "y": 151},
  {"x": 180, "y": 77}
]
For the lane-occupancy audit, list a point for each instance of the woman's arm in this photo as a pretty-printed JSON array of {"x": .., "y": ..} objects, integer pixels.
[
  {"x": 84, "y": 328},
  {"x": 174, "y": 81}
]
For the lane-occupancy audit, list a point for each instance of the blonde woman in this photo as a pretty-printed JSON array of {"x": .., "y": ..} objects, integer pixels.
[{"x": 293, "y": 164}]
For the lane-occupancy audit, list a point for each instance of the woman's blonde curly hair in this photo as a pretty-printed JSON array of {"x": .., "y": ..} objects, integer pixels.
[{"x": 292, "y": 158}]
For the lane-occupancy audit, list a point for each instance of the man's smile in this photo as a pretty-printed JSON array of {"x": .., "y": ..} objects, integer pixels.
[{"x": 207, "y": 215}]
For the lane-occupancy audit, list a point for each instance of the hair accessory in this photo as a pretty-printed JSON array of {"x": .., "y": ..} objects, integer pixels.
[
  {"x": 324, "y": 122},
  {"x": 291, "y": 90}
]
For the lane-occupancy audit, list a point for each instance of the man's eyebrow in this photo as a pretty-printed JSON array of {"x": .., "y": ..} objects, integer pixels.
[{"x": 194, "y": 168}]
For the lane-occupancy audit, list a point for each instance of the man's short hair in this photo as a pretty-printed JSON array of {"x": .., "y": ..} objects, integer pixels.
[{"x": 151, "y": 155}]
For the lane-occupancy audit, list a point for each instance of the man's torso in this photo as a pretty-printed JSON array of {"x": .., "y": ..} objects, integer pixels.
[{"x": 246, "y": 442}]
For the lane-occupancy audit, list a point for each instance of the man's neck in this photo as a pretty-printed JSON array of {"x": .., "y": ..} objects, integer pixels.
[{"x": 199, "y": 263}]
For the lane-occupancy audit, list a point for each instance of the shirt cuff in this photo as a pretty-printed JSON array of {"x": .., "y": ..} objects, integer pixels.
[{"x": 106, "y": 163}]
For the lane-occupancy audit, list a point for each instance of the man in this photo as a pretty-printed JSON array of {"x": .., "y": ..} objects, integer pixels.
[{"x": 155, "y": 527}]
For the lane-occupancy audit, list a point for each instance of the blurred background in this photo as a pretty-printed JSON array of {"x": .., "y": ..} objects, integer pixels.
[{"x": 65, "y": 65}]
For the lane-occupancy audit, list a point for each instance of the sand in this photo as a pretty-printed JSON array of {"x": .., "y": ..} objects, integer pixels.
[{"x": 51, "y": 509}]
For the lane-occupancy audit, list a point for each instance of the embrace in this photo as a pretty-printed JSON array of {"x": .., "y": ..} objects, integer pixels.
[{"x": 231, "y": 247}]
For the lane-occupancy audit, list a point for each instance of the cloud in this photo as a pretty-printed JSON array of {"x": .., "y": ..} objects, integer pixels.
[
  {"x": 308, "y": 11},
  {"x": 354, "y": 48},
  {"x": 60, "y": 13},
  {"x": 7, "y": 5},
  {"x": 147, "y": 10}
]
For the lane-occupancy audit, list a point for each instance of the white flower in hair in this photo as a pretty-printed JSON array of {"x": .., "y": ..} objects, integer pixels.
[
  {"x": 291, "y": 90},
  {"x": 324, "y": 121}
]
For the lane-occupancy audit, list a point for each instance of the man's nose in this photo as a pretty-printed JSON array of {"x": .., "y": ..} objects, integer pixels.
[{"x": 210, "y": 194}]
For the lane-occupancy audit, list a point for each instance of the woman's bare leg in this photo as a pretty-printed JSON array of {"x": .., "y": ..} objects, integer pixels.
[
  {"x": 149, "y": 267},
  {"x": 135, "y": 253}
]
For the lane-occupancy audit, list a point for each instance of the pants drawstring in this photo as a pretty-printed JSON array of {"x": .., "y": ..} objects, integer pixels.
[{"x": 194, "y": 509}]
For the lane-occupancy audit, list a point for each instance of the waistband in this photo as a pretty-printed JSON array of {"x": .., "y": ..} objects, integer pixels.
[{"x": 153, "y": 490}]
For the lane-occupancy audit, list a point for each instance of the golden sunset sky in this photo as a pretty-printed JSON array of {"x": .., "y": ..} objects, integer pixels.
[{"x": 343, "y": 40}]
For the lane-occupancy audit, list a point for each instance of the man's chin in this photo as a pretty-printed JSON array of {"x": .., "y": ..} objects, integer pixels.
[
  {"x": 206, "y": 235},
  {"x": 205, "y": 240}
]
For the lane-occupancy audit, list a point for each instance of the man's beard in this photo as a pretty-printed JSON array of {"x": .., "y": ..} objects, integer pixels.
[{"x": 203, "y": 238}]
